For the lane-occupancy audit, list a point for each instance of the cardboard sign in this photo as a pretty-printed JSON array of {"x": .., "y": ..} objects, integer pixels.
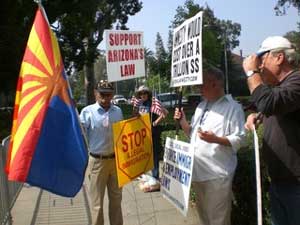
[
  {"x": 177, "y": 173},
  {"x": 133, "y": 148},
  {"x": 187, "y": 53},
  {"x": 125, "y": 57}
]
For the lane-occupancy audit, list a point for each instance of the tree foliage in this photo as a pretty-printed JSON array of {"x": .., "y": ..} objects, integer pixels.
[
  {"x": 81, "y": 31},
  {"x": 161, "y": 66},
  {"x": 158, "y": 83},
  {"x": 294, "y": 37},
  {"x": 15, "y": 22},
  {"x": 79, "y": 26},
  {"x": 282, "y": 6}
]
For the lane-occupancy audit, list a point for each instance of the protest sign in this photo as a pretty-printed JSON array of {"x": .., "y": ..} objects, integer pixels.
[
  {"x": 133, "y": 148},
  {"x": 125, "y": 57},
  {"x": 177, "y": 173},
  {"x": 187, "y": 53}
]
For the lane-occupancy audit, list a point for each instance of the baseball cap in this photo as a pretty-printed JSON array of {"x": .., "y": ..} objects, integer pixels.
[
  {"x": 103, "y": 86},
  {"x": 273, "y": 43}
]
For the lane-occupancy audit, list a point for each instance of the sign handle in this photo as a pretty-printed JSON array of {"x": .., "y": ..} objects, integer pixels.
[{"x": 179, "y": 107}]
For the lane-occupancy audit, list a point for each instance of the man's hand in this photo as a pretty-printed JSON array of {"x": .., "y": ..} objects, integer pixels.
[
  {"x": 208, "y": 136},
  {"x": 179, "y": 115},
  {"x": 252, "y": 62},
  {"x": 253, "y": 120}
]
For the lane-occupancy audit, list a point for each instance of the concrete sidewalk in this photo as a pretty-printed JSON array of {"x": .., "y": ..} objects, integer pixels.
[{"x": 34, "y": 207}]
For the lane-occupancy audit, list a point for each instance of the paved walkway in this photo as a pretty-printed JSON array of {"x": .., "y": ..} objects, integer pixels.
[{"x": 36, "y": 207}]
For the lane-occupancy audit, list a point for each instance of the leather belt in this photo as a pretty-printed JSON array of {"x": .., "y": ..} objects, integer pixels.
[{"x": 99, "y": 156}]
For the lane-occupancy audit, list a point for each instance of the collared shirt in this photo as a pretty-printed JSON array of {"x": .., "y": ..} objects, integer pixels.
[
  {"x": 225, "y": 118},
  {"x": 98, "y": 125}
]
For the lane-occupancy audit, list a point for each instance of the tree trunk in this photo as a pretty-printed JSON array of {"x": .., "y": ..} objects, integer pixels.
[{"x": 89, "y": 83}]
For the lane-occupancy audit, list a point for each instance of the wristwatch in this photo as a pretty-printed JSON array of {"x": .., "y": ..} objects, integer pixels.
[{"x": 251, "y": 72}]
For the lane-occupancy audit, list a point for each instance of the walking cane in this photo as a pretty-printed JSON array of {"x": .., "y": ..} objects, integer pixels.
[{"x": 258, "y": 178}]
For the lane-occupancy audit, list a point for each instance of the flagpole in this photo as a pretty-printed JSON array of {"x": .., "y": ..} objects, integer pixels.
[
  {"x": 81, "y": 127},
  {"x": 151, "y": 115},
  {"x": 39, "y": 2}
]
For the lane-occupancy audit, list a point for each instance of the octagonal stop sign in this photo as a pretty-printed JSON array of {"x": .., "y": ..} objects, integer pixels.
[{"x": 133, "y": 148}]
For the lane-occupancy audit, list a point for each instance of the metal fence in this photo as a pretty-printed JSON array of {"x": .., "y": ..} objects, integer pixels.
[{"x": 8, "y": 190}]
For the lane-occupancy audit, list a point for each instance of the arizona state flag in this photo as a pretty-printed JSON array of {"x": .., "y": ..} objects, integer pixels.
[{"x": 47, "y": 148}]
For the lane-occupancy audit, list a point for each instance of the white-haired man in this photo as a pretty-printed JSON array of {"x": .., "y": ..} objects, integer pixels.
[{"x": 274, "y": 83}]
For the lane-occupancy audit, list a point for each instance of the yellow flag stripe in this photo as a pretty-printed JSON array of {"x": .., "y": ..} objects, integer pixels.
[
  {"x": 35, "y": 45},
  {"x": 30, "y": 84},
  {"x": 30, "y": 96},
  {"x": 24, "y": 127},
  {"x": 56, "y": 51},
  {"x": 29, "y": 69}
]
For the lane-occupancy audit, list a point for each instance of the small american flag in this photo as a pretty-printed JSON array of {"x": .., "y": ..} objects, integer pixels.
[
  {"x": 135, "y": 101},
  {"x": 157, "y": 108}
]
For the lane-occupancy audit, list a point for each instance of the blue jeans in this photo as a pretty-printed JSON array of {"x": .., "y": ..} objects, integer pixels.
[{"x": 285, "y": 204}]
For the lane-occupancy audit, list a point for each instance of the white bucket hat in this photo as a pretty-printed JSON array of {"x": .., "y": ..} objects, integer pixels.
[
  {"x": 143, "y": 88},
  {"x": 272, "y": 43}
]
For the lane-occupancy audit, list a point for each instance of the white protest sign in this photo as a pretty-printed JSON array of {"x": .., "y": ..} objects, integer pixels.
[
  {"x": 187, "y": 53},
  {"x": 177, "y": 173},
  {"x": 125, "y": 58}
]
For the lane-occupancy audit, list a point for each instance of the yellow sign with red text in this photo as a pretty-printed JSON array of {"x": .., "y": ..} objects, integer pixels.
[{"x": 133, "y": 148}]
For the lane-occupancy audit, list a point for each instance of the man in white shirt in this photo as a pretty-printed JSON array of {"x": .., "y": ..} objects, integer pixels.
[{"x": 217, "y": 132}]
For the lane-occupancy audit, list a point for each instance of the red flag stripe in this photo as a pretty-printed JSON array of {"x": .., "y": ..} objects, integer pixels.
[
  {"x": 35, "y": 61},
  {"x": 24, "y": 111},
  {"x": 42, "y": 28},
  {"x": 27, "y": 145}
]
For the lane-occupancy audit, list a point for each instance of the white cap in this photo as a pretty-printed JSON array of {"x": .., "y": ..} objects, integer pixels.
[{"x": 272, "y": 43}]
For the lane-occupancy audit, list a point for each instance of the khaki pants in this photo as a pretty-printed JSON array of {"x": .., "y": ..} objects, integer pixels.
[
  {"x": 102, "y": 174},
  {"x": 213, "y": 200}
]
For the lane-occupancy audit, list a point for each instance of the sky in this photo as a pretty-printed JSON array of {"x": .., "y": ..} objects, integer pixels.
[{"x": 257, "y": 19}]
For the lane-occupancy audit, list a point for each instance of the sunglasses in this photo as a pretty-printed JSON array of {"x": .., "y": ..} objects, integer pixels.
[
  {"x": 260, "y": 55},
  {"x": 105, "y": 94},
  {"x": 143, "y": 93}
]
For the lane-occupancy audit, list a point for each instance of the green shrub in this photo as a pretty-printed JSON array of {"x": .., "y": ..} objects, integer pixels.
[{"x": 244, "y": 100}]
